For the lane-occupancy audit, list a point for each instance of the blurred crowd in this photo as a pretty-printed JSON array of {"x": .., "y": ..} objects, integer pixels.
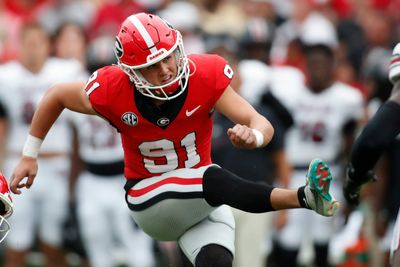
[{"x": 317, "y": 69}]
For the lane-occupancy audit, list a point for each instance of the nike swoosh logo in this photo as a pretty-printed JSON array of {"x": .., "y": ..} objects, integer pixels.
[{"x": 190, "y": 113}]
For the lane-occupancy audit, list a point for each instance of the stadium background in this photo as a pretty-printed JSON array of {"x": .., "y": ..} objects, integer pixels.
[{"x": 364, "y": 33}]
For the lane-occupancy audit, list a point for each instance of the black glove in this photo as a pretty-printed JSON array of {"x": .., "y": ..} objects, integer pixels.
[{"x": 352, "y": 184}]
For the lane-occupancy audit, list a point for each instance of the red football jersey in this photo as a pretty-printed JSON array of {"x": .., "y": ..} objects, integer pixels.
[{"x": 158, "y": 142}]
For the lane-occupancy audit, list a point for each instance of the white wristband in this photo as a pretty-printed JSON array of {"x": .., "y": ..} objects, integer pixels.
[
  {"x": 259, "y": 137},
  {"x": 32, "y": 146}
]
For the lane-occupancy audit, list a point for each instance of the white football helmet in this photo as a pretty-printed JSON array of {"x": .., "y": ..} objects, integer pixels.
[{"x": 6, "y": 207}]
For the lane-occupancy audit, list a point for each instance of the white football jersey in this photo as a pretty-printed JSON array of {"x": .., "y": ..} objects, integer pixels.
[
  {"x": 99, "y": 142},
  {"x": 257, "y": 77},
  {"x": 20, "y": 93},
  {"x": 319, "y": 120}
]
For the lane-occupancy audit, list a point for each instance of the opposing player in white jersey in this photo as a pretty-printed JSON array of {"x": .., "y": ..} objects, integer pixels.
[
  {"x": 22, "y": 85},
  {"x": 325, "y": 114},
  {"x": 377, "y": 135},
  {"x": 100, "y": 149}
]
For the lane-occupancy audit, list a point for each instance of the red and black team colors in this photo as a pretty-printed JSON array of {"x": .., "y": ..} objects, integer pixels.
[
  {"x": 162, "y": 103},
  {"x": 180, "y": 136}
]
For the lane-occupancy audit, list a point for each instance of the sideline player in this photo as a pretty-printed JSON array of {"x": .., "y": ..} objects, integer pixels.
[
  {"x": 100, "y": 149},
  {"x": 23, "y": 83},
  {"x": 325, "y": 113},
  {"x": 377, "y": 134},
  {"x": 161, "y": 102}
]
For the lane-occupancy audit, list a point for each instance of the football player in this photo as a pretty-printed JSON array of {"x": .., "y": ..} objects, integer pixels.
[
  {"x": 325, "y": 113},
  {"x": 377, "y": 134},
  {"x": 100, "y": 150},
  {"x": 23, "y": 83},
  {"x": 161, "y": 101}
]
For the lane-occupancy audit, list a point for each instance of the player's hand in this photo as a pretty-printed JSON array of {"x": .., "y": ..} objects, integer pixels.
[
  {"x": 352, "y": 185},
  {"x": 394, "y": 68},
  {"x": 27, "y": 167},
  {"x": 242, "y": 136}
]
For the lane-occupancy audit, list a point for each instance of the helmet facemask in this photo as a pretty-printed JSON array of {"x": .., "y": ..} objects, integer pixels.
[
  {"x": 6, "y": 211},
  {"x": 4, "y": 228}
]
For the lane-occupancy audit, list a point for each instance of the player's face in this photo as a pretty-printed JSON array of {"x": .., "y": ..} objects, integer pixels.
[
  {"x": 161, "y": 72},
  {"x": 70, "y": 42},
  {"x": 320, "y": 69},
  {"x": 35, "y": 46}
]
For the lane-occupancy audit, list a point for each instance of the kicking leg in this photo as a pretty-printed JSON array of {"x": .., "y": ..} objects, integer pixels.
[{"x": 223, "y": 187}]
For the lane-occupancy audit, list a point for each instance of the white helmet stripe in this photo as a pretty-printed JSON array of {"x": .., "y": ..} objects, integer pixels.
[{"x": 143, "y": 32}]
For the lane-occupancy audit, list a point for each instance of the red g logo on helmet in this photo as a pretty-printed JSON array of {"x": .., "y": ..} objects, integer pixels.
[{"x": 143, "y": 40}]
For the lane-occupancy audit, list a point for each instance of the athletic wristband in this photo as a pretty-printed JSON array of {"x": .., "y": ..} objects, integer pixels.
[
  {"x": 259, "y": 137},
  {"x": 32, "y": 146}
]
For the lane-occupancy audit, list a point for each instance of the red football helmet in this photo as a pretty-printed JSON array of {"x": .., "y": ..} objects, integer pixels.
[
  {"x": 6, "y": 207},
  {"x": 145, "y": 39}
]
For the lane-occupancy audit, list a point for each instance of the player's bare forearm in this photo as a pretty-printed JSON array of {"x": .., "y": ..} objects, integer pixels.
[
  {"x": 45, "y": 115},
  {"x": 239, "y": 111},
  {"x": 67, "y": 95}
]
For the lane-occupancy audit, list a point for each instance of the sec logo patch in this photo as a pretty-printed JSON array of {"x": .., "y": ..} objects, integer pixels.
[{"x": 129, "y": 118}]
